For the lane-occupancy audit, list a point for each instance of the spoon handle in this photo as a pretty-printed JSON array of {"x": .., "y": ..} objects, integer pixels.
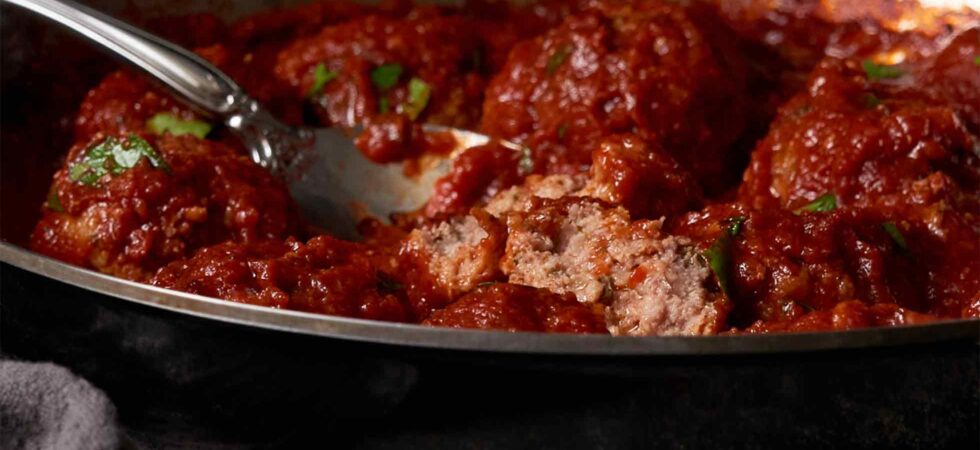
[{"x": 197, "y": 82}]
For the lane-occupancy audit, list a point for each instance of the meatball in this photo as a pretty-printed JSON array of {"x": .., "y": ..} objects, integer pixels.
[
  {"x": 521, "y": 197},
  {"x": 127, "y": 205},
  {"x": 858, "y": 136},
  {"x": 121, "y": 104},
  {"x": 625, "y": 172},
  {"x": 779, "y": 265},
  {"x": 324, "y": 275},
  {"x": 628, "y": 172},
  {"x": 510, "y": 307},
  {"x": 414, "y": 66},
  {"x": 871, "y": 137},
  {"x": 643, "y": 67},
  {"x": 649, "y": 281},
  {"x": 460, "y": 252}
]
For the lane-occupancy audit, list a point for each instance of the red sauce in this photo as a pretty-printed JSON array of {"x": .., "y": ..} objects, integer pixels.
[
  {"x": 510, "y": 307},
  {"x": 649, "y": 106}
]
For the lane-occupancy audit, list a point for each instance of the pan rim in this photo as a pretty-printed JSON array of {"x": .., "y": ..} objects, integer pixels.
[{"x": 414, "y": 335}]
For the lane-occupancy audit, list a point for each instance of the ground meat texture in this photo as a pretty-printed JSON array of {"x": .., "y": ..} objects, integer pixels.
[
  {"x": 643, "y": 67},
  {"x": 324, "y": 275},
  {"x": 521, "y": 198},
  {"x": 510, "y": 307},
  {"x": 626, "y": 171},
  {"x": 132, "y": 223},
  {"x": 460, "y": 252},
  {"x": 649, "y": 282}
]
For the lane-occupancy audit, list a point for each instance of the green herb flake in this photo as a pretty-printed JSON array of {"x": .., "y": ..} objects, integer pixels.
[
  {"x": 486, "y": 283},
  {"x": 976, "y": 61},
  {"x": 418, "y": 97},
  {"x": 557, "y": 59},
  {"x": 735, "y": 225},
  {"x": 112, "y": 156},
  {"x": 823, "y": 203},
  {"x": 607, "y": 289},
  {"x": 525, "y": 165},
  {"x": 321, "y": 76},
  {"x": 895, "y": 234},
  {"x": 876, "y": 72},
  {"x": 168, "y": 123},
  {"x": 870, "y": 100},
  {"x": 387, "y": 284},
  {"x": 718, "y": 258},
  {"x": 386, "y": 76},
  {"x": 476, "y": 60},
  {"x": 54, "y": 201},
  {"x": 383, "y": 105},
  {"x": 562, "y": 130}
]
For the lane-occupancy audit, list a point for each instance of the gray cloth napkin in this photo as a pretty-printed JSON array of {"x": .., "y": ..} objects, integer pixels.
[{"x": 45, "y": 406}]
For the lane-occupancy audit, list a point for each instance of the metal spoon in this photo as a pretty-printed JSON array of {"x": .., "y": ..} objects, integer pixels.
[{"x": 327, "y": 175}]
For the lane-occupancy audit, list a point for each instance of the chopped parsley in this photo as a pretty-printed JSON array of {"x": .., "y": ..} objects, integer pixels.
[
  {"x": 557, "y": 59},
  {"x": 387, "y": 284},
  {"x": 735, "y": 225},
  {"x": 870, "y": 100},
  {"x": 895, "y": 234},
  {"x": 54, "y": 201},
  {"x": 476, "y": 60},
  {"x": 823, "y": 203},
  {"x": 525, "y": 165},
  {"x": 607, "y": 289},
  {"x": 418, "y": 97},
  {"x": 383, "y": 105},
  {"x": 562, "y": 130},
  {"x": 321, "y": 76},
  {"x": 719, "y": 260},
  {"x": 386, "y": 76},
  {"x": 486, "y": 283},
  {"x": 876, "y": 72},
  {"x": 168, "y": 123},
  {"x": 976, "y": 61},
  {"x": 718, "y": 255},
  {"x": 112, "y": 156},
  {"x": 801, "y": 111}
]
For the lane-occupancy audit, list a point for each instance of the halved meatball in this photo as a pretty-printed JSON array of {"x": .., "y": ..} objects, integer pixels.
[
  {"x": 460, "y": 252},
  {"x": 651, "y": 282},
  {"x": 626, "y": 171}
]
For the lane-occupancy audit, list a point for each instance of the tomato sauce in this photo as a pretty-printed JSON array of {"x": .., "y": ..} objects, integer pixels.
[{"x": 798, "y": 173}]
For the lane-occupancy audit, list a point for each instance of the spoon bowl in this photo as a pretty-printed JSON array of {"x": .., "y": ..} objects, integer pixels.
[{"x": 333, "y": 183}]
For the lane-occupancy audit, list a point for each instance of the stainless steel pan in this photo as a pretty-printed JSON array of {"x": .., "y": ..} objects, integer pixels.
[
  {"x": 489, "y": 341},
  {"x": 187, "y": 369}
]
